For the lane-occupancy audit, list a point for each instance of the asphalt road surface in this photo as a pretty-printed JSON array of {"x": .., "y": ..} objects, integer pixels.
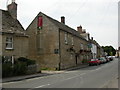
[{"x": 89, "y": 77}]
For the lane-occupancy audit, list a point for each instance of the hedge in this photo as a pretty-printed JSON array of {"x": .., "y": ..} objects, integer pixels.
[{"x": 19, "y": 67}]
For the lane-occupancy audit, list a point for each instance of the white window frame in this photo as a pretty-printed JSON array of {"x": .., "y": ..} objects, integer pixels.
[
  {"x": 9, "y": 42},
  {"x": 66, "y": 38}
]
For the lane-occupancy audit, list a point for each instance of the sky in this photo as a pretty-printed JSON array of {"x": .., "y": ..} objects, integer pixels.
[{"x": 98, "y": 17}]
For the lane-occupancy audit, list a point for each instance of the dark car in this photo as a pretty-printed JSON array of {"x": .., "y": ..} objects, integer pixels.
[{"x": 94, "y": 62}]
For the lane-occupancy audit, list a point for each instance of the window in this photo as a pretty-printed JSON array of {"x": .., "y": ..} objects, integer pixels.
[
  {"x": 71, "y": 56},
  {"x": 81, "y": 46},
  {"x": 9, "y": 42},
  {"x": 66, "y": 38},
  {"x": 72, "y": 40},
  {"x": 7, "y": 59}
]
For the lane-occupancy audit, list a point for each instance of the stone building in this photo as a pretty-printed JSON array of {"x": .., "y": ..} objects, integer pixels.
[
  {"x": 55, "y": 45},
  {"x": 13, "y": 40}
]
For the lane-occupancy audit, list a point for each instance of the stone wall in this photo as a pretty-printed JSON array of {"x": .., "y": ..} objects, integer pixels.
[
  {"x": 42, "y": 43},
  {"x": 0, "y": 34},
  {"x": 20, "y": 46},
  {"x": 47, "y": 46},
  {"x": 0, "y": 20},
  {"x": 69, "y": 58}
]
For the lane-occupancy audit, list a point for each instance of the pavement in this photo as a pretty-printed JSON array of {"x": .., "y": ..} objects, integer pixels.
[{"x": 43, "y": 73}]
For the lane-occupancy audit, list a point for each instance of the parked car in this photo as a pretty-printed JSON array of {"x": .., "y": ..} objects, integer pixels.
[
  {"x": 107, "y": 59},
  {"x": 103, "y": 60},
  {"x": 94, "y": 62},
  {"x": 110, "y": 58}
]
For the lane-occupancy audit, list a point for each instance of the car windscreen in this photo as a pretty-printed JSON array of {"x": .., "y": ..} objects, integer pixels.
[{"x": 93, "y": 60}]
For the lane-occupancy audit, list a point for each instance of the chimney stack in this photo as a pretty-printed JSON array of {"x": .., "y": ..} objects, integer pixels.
[
  {"x": 63, "y": 19},
  {"x": 91, "y": 38},
  {"x": 79, "y": 29},
  {"x": 88, "y": 36},
  {"x": 12, "y": 9}
]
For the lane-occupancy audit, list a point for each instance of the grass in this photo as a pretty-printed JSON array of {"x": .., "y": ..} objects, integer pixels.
[{"x": 49, "y": 69}]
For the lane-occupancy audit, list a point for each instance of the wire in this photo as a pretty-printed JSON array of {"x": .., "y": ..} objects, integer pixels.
[{"x": 76, "y": 12}]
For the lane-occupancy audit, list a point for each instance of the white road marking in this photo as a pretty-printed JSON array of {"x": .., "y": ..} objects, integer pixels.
[
  {"x": 11, "y": 82},
  {"x": 98, "y": 69},
  {"x": 39, "y": 86},
  {"x": 70, "y": 78},
  {"x": 42, "y": 86},
  {"x": 67, "y": 72},
  {"x": 76, "y": 76},
  {"x": 82, "y": 74},
  {"x": 95, "y": 69}
]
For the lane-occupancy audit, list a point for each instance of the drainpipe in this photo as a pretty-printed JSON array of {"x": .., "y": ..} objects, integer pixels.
[{"x": 59, "y": 51}]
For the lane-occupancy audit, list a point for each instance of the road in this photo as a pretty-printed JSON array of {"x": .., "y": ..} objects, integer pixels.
[{"x": 89, "y": 77}]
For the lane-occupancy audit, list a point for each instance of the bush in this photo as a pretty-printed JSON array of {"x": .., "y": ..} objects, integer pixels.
[
  {"x": 7, "y": 70},
  {"x": 20, "y": 68},
  {"x": 27, "y": 61},
  {"x": 22, "y": 59}
]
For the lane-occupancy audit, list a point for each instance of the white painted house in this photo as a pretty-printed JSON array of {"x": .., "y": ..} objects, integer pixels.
[{"x": 93, "y": 48}]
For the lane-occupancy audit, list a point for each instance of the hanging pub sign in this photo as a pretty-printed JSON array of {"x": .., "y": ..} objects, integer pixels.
[
  {"x": 40, "y": 22},
  {"x": 90, "y": 45}
]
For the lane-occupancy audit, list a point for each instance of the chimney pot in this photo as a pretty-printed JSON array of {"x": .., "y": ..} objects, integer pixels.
[
  {"x": 91, "y": 38},
  {"x": 13, "y": 0},
  {"x": 79, "y": 29},
  {"x": 63, "y": 19}
]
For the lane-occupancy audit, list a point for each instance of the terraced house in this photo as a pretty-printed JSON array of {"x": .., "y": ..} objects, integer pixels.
[
  {"x": 13, "y": 40},
  {"x": 55, "y": 45},
  {"x": 51, "y": 43}
]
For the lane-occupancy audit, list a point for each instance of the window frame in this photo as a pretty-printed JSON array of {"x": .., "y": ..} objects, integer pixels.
[
  {"x": 81, "y": 46},
  {"x": 9, "y": 42},
  {"x": 66, "y": 38}
]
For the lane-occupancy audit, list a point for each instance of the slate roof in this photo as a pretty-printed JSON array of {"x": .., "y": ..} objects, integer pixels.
[
  {"x": 64, "y": 27},
  {"x": 11, "y": 25}
]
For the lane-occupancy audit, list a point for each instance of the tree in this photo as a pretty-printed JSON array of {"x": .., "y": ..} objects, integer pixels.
[{"x": 110, "y": 50}]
